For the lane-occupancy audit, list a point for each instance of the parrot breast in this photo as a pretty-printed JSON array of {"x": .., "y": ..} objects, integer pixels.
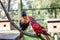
[{"x": 36, "y": 28}]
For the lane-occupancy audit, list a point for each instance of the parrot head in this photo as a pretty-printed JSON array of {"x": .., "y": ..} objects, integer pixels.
[
  {"x": 23, "y": 13},
  {"x": 32, "y": 20}
]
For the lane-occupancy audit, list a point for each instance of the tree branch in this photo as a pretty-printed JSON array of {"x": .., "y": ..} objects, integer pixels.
[
  {"x": 9, "y": 1},
  {"x": 9, "y": 18}
]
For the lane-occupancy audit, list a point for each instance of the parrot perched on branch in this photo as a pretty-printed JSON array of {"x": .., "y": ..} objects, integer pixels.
[
  {"x": 24, "y": 22},
  {"x": 38, "y": 29}
]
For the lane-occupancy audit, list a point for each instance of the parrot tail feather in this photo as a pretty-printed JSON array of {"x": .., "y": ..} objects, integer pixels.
[
  {"x": 41, "y": 37},
  {"x": 47, "y": 38}
]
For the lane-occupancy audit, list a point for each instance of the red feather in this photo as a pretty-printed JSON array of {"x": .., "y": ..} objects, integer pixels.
[{"x": 37, "y": 27}]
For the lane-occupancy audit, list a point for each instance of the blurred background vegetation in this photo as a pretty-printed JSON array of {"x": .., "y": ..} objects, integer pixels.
[{"x": 41, "y": 10}]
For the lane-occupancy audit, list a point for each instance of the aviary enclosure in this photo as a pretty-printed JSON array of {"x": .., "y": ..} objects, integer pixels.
[{"x": 45, "y": 12}]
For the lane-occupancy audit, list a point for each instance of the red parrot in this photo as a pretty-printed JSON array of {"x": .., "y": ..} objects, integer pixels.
[
  {"x": 24, "y": 22},
  {"x": 38, "y": 28}
]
